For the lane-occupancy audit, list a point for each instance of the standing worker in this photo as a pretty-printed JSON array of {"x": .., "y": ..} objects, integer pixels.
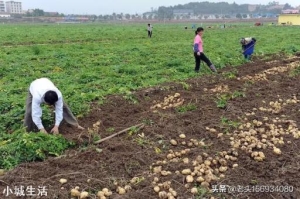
[
  {"x": 44, "y": 91},
  {"x": 198, "y": 51},
  {"x": 149, "y": 28},
  {"x": 248, "y": 44}
]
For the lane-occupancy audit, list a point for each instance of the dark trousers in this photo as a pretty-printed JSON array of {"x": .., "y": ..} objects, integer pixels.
[
  {"x": 247, "y": 57},
  {"x": 149, "y": 33},
  {"x": 198, "y": 59},
  {"x": 29, "y": 124}
]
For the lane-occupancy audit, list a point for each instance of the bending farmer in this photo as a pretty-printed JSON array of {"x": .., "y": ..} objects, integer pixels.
[
  {"x": 248, "y": 44},
  {"x": 44, "y": 91}
]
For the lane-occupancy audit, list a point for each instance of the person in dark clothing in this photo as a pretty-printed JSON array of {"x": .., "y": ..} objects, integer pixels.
[{"x": 149, "y": 28}]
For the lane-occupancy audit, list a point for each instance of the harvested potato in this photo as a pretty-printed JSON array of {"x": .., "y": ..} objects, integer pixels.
[
  {"x": 63, "y": 181},
  {"x": 173, "y": 142},
  {"x": 186, "y": 171},
  {"x": 189, "y": 178},
  {"x": 100, "y": 193},
  {"x": 163, "y": 195},
  {"x": 156, "y": 189},
  {"x": 84, "y": 195},
  {"x": 194, "y": 190},
  {"x": 75, "y": 193},
  {"x": 121, "y": 190}
]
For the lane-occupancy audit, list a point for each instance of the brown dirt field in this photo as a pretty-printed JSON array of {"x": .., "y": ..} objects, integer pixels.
[{"x": 116, "y": 161}]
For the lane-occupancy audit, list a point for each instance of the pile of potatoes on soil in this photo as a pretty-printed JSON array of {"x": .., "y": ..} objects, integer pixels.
[{"x": 169, "y": 102}]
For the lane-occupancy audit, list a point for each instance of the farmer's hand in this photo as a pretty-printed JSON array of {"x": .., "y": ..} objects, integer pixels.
[
  {"x": 43, "y": 131},
  {"x": 198, "y": 53},
  {"x": 55, "y": 130},
  {"x": 80, "y": 127}
]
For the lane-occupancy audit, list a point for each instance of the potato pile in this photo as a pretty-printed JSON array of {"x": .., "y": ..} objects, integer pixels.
[
  {"x": 202, "y": 170},
  {"x": 257, "y": 135},
  {"x": 256, "y": 77},
  {"x": 271, "y": 71},
  {"x": 281, "y": 69},
  {"x": 76, "y": 194},
  {"x": 276, "y": 107},
  {"x": 272, "y": 62},
  {"x": 169, "y": 102},
  {"x": 105, "y": 193},
  {"x": 219, "y": 89},
  {"x": 96, "y": 128}
]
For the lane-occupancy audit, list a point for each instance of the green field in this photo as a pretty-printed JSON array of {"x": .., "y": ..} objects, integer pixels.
[{"x": 90, "y": 61}]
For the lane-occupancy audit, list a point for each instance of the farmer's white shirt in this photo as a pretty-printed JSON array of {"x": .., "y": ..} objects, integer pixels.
[{"x": 38, "y": 88}]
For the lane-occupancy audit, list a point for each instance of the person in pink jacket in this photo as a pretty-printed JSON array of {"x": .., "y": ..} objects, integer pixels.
[{"x": 198, "y": 51}]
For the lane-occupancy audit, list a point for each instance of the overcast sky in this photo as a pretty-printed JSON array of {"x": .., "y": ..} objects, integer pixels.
[{"x": 118, "y": 6}]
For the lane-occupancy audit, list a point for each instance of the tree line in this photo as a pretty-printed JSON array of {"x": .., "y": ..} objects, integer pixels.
[{"x": 220, "y": 8}]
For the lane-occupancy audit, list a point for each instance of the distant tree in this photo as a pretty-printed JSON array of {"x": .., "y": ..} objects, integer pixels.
[
  {"x": 206, "y": 16},
  {"x": 272, "y": 3},
  {"x": 38, "y": 12},
  {"x": 106, "y": 17},
  {"x": 207, "y": 7},
  {"x": 119, "y": 16},
  {"x": 127, "y": 16},
  {"x": 217, "y": 16},
  {"x": 245, "y": 16},
  {"x": 287, "y": 6},
  {"x": 276, "y": 11},
  {"x": 94, "y": 17},
  {"x": 138, "y": 16},
  {"x": 35, "y": 13},
  {"x": 114, "y": 16},
  {"x": 238, "y": 15},
  {"x": 227, "y": 16},
  {"x": 144, "y": 16},
  {"x": 165, "y": 13}
]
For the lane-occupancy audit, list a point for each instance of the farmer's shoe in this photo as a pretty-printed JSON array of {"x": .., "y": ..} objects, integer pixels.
[{"x": 213, "y": 68}]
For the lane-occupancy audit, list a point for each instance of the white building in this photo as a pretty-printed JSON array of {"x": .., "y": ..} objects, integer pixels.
[
  {"x": 2, "y": 6},
  {"x": 4, "y": 15},
  {"x": 13, "y": 7}
]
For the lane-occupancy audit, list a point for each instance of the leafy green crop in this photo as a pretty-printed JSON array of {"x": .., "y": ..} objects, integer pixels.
[
  {"x": 23, "y": 147},
  {"x": 90, "y": 61}
]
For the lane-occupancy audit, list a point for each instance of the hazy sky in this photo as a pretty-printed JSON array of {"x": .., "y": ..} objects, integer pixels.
[{"x": 125, "y": 6}]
